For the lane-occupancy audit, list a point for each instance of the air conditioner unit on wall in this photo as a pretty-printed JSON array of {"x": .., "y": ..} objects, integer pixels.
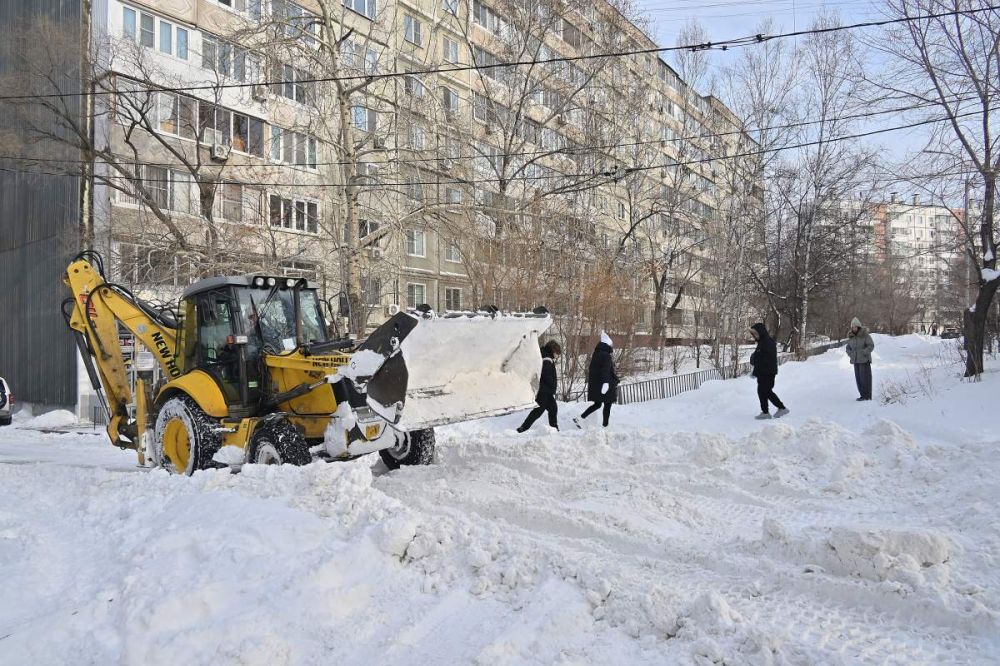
[
  {"x": 391, "y": 309},
  {"x": 375, "y": 252},
  {"x": 379, "y": 142},
  {"x": 220, "y": 152},
  {"x": 259, "y": 92}
]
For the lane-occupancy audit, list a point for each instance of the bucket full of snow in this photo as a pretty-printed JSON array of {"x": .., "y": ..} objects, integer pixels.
[{"x": 445, "y": 369}]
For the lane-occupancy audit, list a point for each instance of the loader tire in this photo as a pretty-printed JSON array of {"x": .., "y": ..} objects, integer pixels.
[
  {"x": 278, "y": 443},
  {"x": 417, "y": 448},
  {"x": 186, "y": 438}
]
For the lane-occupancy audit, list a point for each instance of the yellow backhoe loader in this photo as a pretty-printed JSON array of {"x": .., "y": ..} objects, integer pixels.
[{"x": 248, "y": 362}]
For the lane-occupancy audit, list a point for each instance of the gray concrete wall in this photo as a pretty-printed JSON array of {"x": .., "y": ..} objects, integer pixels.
[{"x": 39, "y": 218}]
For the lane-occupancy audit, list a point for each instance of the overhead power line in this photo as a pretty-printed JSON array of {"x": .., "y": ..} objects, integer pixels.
[
  {"x": 609, "y": 176},
  {"x": 579, "y": 149},
  {"x": 710, "y": 45}
]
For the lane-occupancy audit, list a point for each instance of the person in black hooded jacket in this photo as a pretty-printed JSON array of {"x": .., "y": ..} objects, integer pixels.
[
  {"x": 602, "y": 380},
  {"x": 546, "y": 396},
  {"x": 765, "y": 368}
]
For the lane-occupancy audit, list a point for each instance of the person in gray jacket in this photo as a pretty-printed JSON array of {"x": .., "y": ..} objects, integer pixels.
[{"x": 859, "y": 350}]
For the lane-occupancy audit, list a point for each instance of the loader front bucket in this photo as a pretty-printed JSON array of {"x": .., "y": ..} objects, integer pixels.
[{"x": 453, "y": 368}]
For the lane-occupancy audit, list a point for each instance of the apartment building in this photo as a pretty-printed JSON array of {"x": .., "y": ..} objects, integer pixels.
[
  {"x": 232, "y": 137},
  {"x": 925, "y": 241}
]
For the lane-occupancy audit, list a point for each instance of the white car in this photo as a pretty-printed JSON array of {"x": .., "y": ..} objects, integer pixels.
[{"x": 6, "y": 402}]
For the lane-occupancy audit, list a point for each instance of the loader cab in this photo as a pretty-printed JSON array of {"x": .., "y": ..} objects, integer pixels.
[{"x": 230, "y": 323}]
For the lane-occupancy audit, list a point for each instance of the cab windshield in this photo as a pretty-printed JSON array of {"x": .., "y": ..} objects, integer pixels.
[{"x": 277, "y": 318}]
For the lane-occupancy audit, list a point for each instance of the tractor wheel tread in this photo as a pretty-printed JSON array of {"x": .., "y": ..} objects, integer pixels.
[
  {"x": 284, "y": 440},
  {"x": 202, "y": 431},
  {"x": 419, "y": 452}
]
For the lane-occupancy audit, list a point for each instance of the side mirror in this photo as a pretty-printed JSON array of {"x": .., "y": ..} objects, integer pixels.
[{"x": 344, "y": 304}]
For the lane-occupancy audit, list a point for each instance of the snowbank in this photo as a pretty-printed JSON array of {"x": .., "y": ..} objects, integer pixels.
[
  {"x": 685, "y": 533},
  {"x": 59, "y": 418}
]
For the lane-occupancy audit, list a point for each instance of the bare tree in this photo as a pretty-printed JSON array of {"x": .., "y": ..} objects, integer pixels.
[
  {"x": 182, "y": 208},
  {"x": 826, "y": 171},
  {"x": 947, "y": 67}
]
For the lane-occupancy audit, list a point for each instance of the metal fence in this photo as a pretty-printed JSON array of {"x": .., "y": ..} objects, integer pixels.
[{"x": 668, "y": 387}]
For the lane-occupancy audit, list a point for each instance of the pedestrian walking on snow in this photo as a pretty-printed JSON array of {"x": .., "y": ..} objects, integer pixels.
[
  {"x": 859, "y": 349},
  {"x": 546, "y": 396},
  {"x": 765, "y": 368},
  {"x": 602, "y": 380}
]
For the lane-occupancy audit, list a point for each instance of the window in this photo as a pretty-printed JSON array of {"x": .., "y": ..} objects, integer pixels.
[
  {"x": 450, "y": 100},
  {"x": 453, "y": 254},
  {"x": 232, "y": 202},
  {"x": 486, "y": 110},
  {"x": 449, "y": 48},
  {"x": 364, "y": 7},
  {"x": 367, "y": 227},
  {"x": 416, "y": 294},
  {"x": 371, "y": 290},
  {"x": 415, "y": 244},
  {"x": 418, "y": 137},
  {"x": 226, "y": 59},
  {"x": 293, "y": 148},
  {"x": 182, "y": 43},
  {"x": 452, "y": 298},
  {"x": 248, "y": 135},
  {"x": 415, "y": 190},
  {"x": 412, "y": 86},
  {"x": 450, "y": 6},
  {"x": 147, "y": 30},
  {"x": 166, "y": 37},
  {"x": 570, "y": 34},
  {"x": 251, "y": 6},
  {"x": 157, "y": 182},
  {"x": 364, "y": 118},
  {"x": 412, "y": 30},
  {"x": 297, "y": 22},
  {"x": 214, "y": 124},
  {"x": 452, "y": 195},
  {"x": 128, "y": 22},
  {"x": 486, "y": 17},
  {"x": 489, "y": 62},
  {"x": 168, "y": 189},
  {"x": 290, "y": 83},
  {"x": 297, "y": 214}
]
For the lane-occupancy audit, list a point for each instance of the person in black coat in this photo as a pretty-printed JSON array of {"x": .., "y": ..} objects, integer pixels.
[
  {"x": 602, "y": 380},
  {"x": 546, "y": 396},
  {"x": 765, "y": 368}
]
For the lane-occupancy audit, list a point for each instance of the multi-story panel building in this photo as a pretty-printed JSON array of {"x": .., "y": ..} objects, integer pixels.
[
  {"x": 925, "y": 241},
  {"x": 244, "y": 135}
]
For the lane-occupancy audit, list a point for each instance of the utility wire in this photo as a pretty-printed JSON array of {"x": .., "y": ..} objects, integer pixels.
[
  {"x": 720, "y": 45},
  {"x": 613, "y": 175},
  {"x": 569, "y": 151}
]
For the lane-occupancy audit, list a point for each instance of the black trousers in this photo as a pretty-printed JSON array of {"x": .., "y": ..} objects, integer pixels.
[
  {"x": 863, "y": 378},
  {"x": 547, "y": 404},
  {"x": 597, "y": 405},
  {"x": 765, "y": 392}
]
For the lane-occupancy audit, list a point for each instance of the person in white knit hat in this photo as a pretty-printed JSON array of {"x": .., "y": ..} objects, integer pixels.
[
  {"x": 859, "y": 349},
  {"x": 602, "y": 380}
]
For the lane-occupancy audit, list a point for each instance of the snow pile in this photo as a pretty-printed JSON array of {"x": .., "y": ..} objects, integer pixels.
[
  {"x": 684, "y": 533},
  {"x": 59, "y": 418}
]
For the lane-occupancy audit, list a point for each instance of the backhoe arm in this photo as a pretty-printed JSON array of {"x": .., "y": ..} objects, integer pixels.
[{"x": 98, "y": 306}]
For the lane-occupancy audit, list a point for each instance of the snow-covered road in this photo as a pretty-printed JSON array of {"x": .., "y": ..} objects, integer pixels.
[{"x": 686, "y": 532}]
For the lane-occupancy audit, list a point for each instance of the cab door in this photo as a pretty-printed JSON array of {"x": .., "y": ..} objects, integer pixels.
[{"x": 217, "y": 352}]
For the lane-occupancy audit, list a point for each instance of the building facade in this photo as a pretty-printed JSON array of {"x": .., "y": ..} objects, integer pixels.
[
  {"x": 925, "y": 241},
  {"x": 391, "y": 149}
]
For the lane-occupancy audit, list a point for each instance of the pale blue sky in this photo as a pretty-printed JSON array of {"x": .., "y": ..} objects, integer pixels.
[
  {"x": 724, "y": 19},
  {"x": 727, "y": 19}
]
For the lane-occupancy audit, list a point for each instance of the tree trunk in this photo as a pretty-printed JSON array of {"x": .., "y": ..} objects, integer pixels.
[{"x": 975, "y": 318}]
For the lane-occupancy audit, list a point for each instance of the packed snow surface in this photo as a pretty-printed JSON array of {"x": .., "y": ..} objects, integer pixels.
[{"x": 686, "y": 532}]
